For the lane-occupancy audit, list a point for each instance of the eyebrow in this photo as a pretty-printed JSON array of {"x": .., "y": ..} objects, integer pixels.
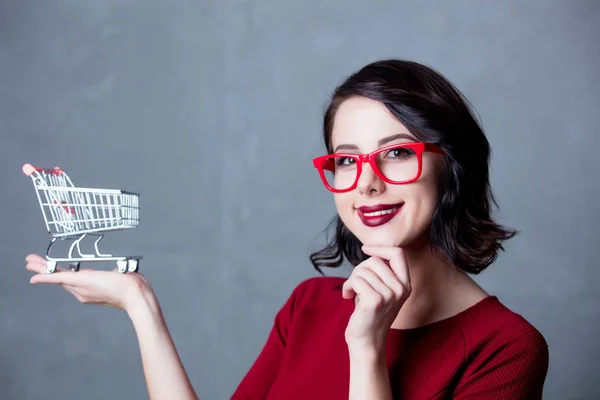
[{"x": 380, "y": 143}]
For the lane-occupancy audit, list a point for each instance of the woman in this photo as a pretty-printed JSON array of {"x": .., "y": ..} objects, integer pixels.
[{"x": 408, "y": 167}]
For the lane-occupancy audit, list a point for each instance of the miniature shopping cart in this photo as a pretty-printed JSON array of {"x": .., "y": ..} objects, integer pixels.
[{"x": 72, "y": 213}]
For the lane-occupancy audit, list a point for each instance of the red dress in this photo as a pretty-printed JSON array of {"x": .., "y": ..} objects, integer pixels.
[{"x": 484, "y": 352}]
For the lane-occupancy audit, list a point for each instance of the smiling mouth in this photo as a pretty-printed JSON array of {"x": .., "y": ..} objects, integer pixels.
[
  {"x": 378, "y": 215},
  {"x": 382, "y": 212}
]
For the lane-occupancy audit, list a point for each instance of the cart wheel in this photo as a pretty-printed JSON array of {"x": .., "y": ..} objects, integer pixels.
[
  {"x": 50, "y": 266},
  {"x": 122, "y": 266},
  {"x": 74, "y": 266},
  {"x": 133, "y": 265}
]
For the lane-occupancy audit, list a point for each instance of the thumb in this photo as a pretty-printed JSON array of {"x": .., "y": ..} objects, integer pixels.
[{"x": 59, "y": 278}]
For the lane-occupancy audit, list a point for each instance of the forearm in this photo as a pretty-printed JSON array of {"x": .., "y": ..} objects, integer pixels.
[
  {"x": 369, "y": 378},
  {"x": 165, "y": 376}
]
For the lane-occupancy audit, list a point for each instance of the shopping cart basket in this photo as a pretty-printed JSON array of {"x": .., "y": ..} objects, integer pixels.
[{"x": 72, "y": 213}]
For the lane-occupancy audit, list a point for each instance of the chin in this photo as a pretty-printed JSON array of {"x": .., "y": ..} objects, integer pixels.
[
  {"x": 397, "y": 236},
  {"x": 379, "y": 240},
  {"x": 382, "y": 237}
]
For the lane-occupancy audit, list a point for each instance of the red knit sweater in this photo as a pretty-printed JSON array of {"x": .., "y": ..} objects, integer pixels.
[{"x": 484, "y": 352}]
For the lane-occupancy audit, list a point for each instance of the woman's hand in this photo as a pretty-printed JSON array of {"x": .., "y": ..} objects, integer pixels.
[
  {"x": 165, "y": 376},
  {"x": 90, "y": 286},
  {"x": 379, "y": 285}
]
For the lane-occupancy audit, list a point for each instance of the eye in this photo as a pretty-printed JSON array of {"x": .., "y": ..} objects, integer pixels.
[
  {"x": 399, "y": 152},
  {"x": 343, "y": 161}
]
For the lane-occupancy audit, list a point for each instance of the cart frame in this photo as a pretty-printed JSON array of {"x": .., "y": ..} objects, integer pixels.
[{"x": 73, "y": 213}]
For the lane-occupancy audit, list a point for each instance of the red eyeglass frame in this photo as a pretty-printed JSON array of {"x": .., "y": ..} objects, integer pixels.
[{"x": 322, "y": 163}]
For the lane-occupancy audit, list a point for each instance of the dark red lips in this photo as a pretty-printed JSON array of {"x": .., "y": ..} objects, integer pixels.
[{"x": 376, "y": 220}]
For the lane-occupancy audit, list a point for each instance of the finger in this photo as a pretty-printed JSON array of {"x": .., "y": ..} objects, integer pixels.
[
  {"x": 354, "y": 285},
  {"x": 35, "y": 258},
  {"x": 35, "y": 267},
  {"x": 37, "y": 264},
  {"x": 61, "y": 277},
  {"x": 386, "y": 275},
  {"x": 395, "y": 256},
  {"x": 40, "y": 268},
  {"x": 347, "y": 289},
  {"x": 365, "y": 293},
  {"x": 374, "y": 280}
]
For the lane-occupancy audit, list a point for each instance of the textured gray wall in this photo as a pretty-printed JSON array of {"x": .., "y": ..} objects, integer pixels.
[{"x": 212, "y": 111}]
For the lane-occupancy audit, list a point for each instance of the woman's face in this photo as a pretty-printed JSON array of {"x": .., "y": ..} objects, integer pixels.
[{"x": 362, "y": 125}]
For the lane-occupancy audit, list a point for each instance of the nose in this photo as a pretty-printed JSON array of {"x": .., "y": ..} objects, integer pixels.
[{"x": 368, "y": 182}]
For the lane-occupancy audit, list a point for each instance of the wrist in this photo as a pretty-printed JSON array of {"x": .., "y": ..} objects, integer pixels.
[
  {"x": 366, "y": 353},
  {"x": 368, "y": 373},
  {"x": 139, "y": 301}
]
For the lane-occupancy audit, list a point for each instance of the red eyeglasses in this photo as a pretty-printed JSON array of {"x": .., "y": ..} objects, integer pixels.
[{"x": 395, "y": 164}]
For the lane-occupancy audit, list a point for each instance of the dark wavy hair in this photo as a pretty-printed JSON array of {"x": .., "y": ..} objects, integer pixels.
[{"x": 434, "y": 111}]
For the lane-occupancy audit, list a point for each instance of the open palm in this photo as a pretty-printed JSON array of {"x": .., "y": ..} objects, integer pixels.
[{"x": 89, "y": 286}]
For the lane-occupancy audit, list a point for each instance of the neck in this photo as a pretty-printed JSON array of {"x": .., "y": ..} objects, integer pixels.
[{"x": 432, "y": 278}]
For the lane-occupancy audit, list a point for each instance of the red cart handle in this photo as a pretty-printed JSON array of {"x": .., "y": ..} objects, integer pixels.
[{"x": 29, "y": 169}]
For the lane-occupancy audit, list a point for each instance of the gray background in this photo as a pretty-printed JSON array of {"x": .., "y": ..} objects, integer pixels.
[{"x": 212, "y": 111}]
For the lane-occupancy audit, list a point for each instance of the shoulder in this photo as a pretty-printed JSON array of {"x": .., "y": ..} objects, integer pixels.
[
  {"x": 317, "y": 291},
  {"x": 494, "y": 330},
  {"x": 505, "y": 355},
  {"x": 492, "y": 320}
]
